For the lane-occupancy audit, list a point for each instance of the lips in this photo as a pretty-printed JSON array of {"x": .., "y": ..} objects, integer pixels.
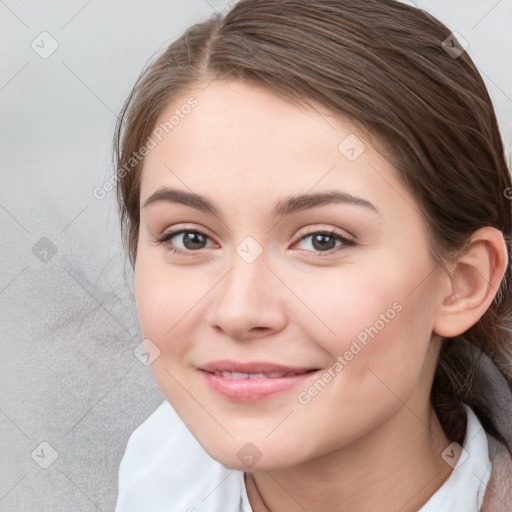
[
  {"x": 250, "y": 381},
  {"x": 242, "y": 375},
  {"x": 253, "y": 367}
]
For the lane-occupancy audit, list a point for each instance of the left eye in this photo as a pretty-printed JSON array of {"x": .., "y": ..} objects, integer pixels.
[{"x": 323, "y": 241}]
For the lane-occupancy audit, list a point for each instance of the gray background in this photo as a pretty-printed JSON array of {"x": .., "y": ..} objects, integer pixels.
[{"x": 69, "y": 376}]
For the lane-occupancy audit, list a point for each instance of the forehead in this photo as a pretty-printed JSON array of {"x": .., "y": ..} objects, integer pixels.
[{"x": 241, "y": 141}]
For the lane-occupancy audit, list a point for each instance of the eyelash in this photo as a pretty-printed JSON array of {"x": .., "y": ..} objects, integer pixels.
[
  {"x": 345, "y": 242},
  {"x": 164, "y": 239}
]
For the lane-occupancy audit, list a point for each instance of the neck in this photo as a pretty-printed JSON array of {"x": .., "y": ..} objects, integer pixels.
[{"x": 397, "y": 466}]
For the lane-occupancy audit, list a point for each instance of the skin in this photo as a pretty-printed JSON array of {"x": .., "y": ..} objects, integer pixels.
[{"x": 372, "y": 426}]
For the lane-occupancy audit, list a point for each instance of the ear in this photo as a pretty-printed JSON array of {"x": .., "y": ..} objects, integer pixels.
[{"x": 473, "y": 284}]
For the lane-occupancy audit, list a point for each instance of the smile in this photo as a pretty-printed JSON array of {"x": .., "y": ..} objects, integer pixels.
[
  {"x": 252, "y": 381},
  {"x": 240, "y": 375}
]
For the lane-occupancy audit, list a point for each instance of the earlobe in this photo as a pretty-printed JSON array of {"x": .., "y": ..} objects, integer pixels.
[{"x": 473, "y": 284}]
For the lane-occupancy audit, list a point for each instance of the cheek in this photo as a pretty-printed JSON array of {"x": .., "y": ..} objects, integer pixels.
[
  {"x": 374, "y": 319},
  {"x": 166, "y": 300},
  {"x": 382, "y": 329},
  {"x": 167, "y": 304}
]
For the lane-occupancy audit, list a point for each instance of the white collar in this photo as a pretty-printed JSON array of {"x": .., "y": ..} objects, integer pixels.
[
  {"x": 165, "y": 468},
  {"x": 464, "y": 489}
]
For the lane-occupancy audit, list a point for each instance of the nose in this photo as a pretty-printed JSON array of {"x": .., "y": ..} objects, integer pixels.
[{"x": 248, "y": 301}]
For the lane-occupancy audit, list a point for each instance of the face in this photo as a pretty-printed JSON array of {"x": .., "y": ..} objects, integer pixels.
[{"x": 283, "y": 278}]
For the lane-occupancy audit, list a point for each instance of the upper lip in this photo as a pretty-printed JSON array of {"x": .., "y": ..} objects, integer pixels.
[{"x": 252, "y": 367}]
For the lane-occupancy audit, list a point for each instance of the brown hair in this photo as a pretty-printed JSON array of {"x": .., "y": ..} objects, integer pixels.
[{"x": 381, "y": 64}]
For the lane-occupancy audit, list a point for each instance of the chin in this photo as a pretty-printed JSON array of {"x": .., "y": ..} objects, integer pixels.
[{"x": 257, "y": 455}]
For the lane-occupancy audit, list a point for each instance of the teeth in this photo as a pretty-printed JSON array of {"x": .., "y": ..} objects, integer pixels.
[
  {"x": 241, "y": 375},
  {"x": 235, "y": 375}
]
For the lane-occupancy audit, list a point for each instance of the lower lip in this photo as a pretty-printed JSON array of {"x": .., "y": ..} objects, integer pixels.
[{"x": 246, "y": 390}]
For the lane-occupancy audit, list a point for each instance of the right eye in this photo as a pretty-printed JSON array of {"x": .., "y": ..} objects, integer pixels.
[{"x": 184, "y": 241}]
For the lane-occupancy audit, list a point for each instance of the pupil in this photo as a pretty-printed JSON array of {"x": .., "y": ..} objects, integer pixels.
[
  {"x": 323, "y": 242},
  {"x": 194, "y": 241}
]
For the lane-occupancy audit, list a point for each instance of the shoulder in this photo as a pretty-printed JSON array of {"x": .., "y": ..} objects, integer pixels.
[
  {"x": 149, "y": 439},
  {"x": 165, "y": 468}
]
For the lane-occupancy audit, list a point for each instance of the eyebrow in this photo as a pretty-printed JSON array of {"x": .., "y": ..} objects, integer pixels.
[{"x": 284, "y": 207}]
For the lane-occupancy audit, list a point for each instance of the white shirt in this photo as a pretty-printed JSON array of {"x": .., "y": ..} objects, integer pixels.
[{"x": 165, "y": 469}]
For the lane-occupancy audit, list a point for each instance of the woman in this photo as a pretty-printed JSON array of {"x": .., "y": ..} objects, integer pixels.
[{"x": 313, "y": 196}]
